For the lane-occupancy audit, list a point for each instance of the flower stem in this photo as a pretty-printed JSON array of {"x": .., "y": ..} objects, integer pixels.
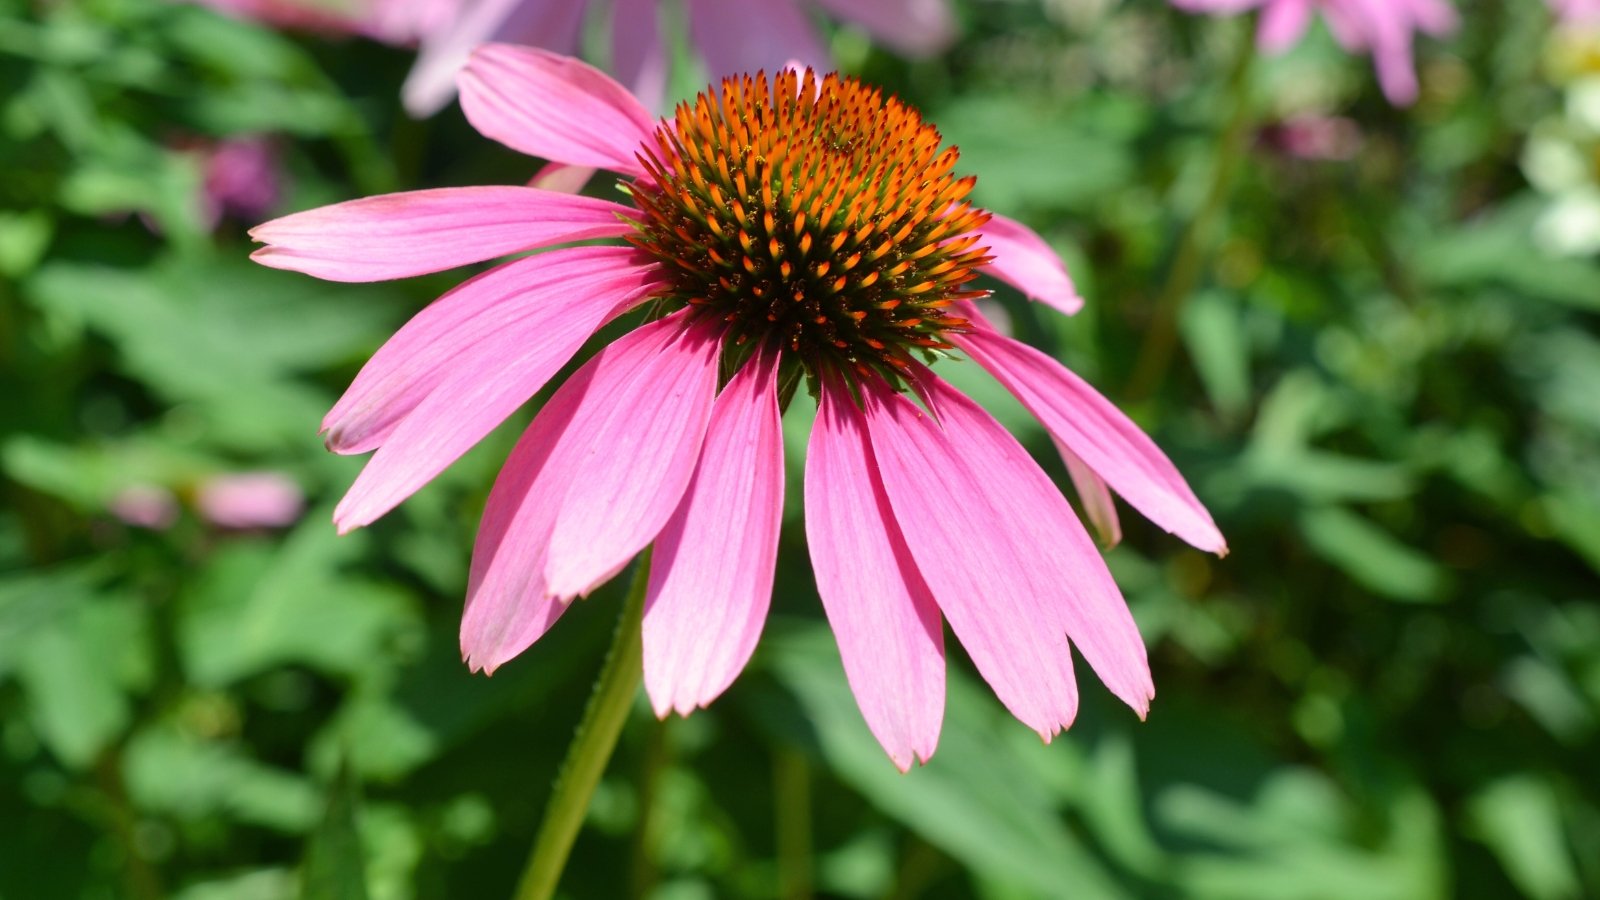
[
  {"x": 591, "y": 747},
  {"x": 1188, "y": 259},
  {"x": 791, "y": 794}
]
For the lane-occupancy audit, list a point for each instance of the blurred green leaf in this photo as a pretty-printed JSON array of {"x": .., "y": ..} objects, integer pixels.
[
  {"x": 79, "y": 671},
  {"x": 1371, "y": 556},
  {"x": 1292, "y": 844},
  {"x": 976, "y": 802},
  {"x": 1498, "y": 250},
  {"x": 176, "y": 772},
  {"x": 1029, "y": 156},
  {"x": 1215, "y": 334},
  {"x": 257, "y": 604},
  {"x": 1519, "y": 817},
  {"x": 24, "y": 236},
  {"x": 335, "y": 867}
]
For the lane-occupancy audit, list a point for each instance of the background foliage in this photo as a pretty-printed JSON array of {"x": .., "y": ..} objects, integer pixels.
[{"x": 1377, "y": 361}]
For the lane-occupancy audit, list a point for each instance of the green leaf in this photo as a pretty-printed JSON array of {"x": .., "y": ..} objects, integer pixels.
[
  {"x": 334, "y": 866},
  {"x": 1028, "y": 155},
  {"x": 256, "y": 605},
  {"x": 1214, "y": 332},
  {"x": 172, "y": 771},
  {"x": 1498, "y": 250},
  {"x": 78, "y": 669},
  {"x": 1371, "y": 556},
  {"x": 977, "y": 801},
  {"x": 1519, "y": 817}
]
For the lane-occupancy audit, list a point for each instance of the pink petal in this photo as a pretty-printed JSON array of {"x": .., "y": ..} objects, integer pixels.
[
  {"x": 1011, "y": 566},
  {"x": 631, "y": 420},
  {"x": 881, "y": 611},
  {"x": 554, "y": 107},
  {"x": 637, "y": 55},
  {"x": 416, "y": 232},
  {"x": 1218, "y": 7},
  {"x": 1095, "y": 497},
  {"x": 499, "y": 362},
  {"x": 712, "y": 569},
  {"x": 1023, "y": 260},
  {"x": 628, "y": 477},
  {"x": 507, "y": 608},
  {"x": 740, "y": 36},
  {"x": 432, "y": 81},
  {"x": 1283, "y": 24},
  {"x": 914, "y": 27},
  {"x": 562, "y": 177},
  {"x": 455, "y": 331},
  {"x": 1098, "y": 433},
  {"x": 1435, "y": 17}
]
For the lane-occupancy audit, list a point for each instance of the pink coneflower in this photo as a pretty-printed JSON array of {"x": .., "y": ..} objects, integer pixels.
[
  {"x": 731, "y": 35},
  {"x": 401, "y": 22},
  {"x": 784, "y": 232},
  {"x": 1382, "y": 28},
  {"x": 1577, "y": 12}
]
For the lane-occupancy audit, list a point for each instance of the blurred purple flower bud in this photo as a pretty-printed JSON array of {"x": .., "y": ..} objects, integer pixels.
[
  {"x": 251, "y": 500},
  {"x": 1315, "y": 136},
  {"x": 145, "y": 506},
  {"x": 242, "y": 180}
]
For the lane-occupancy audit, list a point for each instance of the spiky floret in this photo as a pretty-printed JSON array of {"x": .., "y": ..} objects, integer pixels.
[{"x": 814, "y": 214}]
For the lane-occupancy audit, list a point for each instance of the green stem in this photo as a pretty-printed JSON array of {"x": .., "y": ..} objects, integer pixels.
[
  {"x": 1188, "y": 261},
  {"x": 591, "y": 747},
  {"x": 791, "y": 790}
]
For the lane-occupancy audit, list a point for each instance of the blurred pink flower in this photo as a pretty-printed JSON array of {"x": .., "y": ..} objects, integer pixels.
[
  {"x": 250, "y": 500},
  {"x": 242, "y": 179},
  {"x": 732, "y": 36},
  {"x": 1382, "y": 28},
  {"x": 145, "y": 506},
  {"x": 1313, "y": 136},
  {"x": 1577, "y": 12},
  {"x": 401, "y": 22},
  {"x": 801, "y": 230}
]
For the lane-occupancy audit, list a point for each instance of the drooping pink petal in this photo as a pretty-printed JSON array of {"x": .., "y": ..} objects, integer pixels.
[
  {"x": 1023, "y": 260},
  {"x": 882, "y": 614},
  {"x": 1283, "y": 24},
  {"x": 913, "y": 27},
  {"x": 632, "y": 418},
  {"x": 975, "y": 569},
  {"x": 554, "y": 107},
  {"x": 712, "y": 568},
  {"x": 507, "y": 608},
  {"x": 625, "y": 485},
  {"x": 455, "y": 332},
  {"x": 637, "y": 55},
  {"x": 1008, "y": 561},
  {"x": 1435, "y": 17},
  {"x": 1098, "y": 433},
  {"x": 416, "y": 232},
  {"x": 1096, "y": 498},
  {"x": 739, "y": 36},
  {"x": 482, "y": 383},
  {"x": 432, "y": 80}
]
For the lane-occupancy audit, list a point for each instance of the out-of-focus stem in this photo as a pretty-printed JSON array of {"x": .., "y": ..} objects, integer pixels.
[
  {"x": 1197, "y": 240},
  {"x": 644, "y": 874},
  {"x": 791, "y": 792},
  {"x": 591, "y": 747}
]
